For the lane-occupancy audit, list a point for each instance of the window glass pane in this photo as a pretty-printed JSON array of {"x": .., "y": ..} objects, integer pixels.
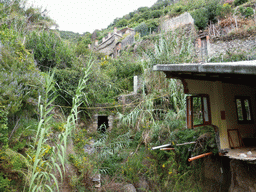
[
  {"x": 197, "y": 111},
  {"x": 239, "y": 109},
  {"x": 247, "y": 109},
  {"x": 206, "y": 112}
]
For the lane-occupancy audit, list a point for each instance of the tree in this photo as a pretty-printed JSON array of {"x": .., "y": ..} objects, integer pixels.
[{"x": 122, "y": 23}]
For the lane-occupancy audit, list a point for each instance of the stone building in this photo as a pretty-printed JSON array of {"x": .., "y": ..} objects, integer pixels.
[{"x": 113, "y": 43}]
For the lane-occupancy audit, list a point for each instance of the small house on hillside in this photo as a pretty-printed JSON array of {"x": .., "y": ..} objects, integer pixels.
[{"x": 222, "y": 95}]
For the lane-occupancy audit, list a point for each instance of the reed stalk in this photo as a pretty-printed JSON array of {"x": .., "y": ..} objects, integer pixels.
[{"x": 43, "y": 174}]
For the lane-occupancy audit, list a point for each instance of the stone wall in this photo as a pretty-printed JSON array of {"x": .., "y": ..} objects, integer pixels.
[
  {"x": 245, "y": 46},
  {"x": 176, "y": 22},
  {"x": 243, "y": 176},
  {"x": 129, "y": 40},
  {"x": 94, "y": 125},
  {"x": 107, "y": 47},
  {"x": 110, "y": 44}
]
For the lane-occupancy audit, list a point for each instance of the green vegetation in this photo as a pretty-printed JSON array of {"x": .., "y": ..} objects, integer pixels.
[
  {"x": 52, "y": 85},
  {"x": 239, "y": 2}
]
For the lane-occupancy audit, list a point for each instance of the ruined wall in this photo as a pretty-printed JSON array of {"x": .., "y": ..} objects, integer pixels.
[
  {"x": 246, "y": 46},
  {"x": 129, "y": 40},
  {"x": 176, "y": 22},
  {"x": 107, "y": 47}
]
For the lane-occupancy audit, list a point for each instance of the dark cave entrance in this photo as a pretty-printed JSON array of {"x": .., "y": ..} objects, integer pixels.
[{"x": 102, "y": 123}]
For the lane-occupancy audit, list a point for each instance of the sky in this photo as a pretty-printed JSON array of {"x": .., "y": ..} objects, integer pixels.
[{"x": 87, "y": 15}]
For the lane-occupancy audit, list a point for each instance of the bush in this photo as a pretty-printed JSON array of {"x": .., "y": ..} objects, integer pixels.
[
  {"x": 142, "y": 29},
  {"x": 143, "y": 9},
  {"x": 239, "y": 2},
  {"x": 146, "y": 15},
  {"x": 157, "y": 13},
  {"x": 82, "y": 45},
  {"x": 223, "y": 11},
  {"x": 212, "y": 7},
  {"x": 177, "y": 9},
  {"x": 141, "y": 20},
  {"x": 67, "y": 80},
  {"x": 20, "y": 81},
  {"x": 201, "y": 18},
  {"x": 246, "y": 12},
  {"x": 122, "y": 23},
  {"x": 49, "y": 50},
  {"x": 152, "y": 24},
  {"x": 161, "y": 3},
  {"x": 3, "y": 128}
]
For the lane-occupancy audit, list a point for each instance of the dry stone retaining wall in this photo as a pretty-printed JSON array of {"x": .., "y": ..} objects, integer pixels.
[
  {"x": 176, "y": 22},
  {"x": 247, "y": 46},
  {"x": 129, "y": 40}
]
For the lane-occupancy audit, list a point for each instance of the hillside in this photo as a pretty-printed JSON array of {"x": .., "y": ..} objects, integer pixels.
[{"x": 74, "y": 119}]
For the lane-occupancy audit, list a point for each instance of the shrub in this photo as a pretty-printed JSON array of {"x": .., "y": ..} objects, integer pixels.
[
  {"x": 4, "y": 182},
  {"x": 3, "y": 127},
  {"x": 224, "y": 10},
  {"x": 49, "y": 50},
  {"x": 201, "y": 18},
  {"x": 142, "y": 29},
  {"x": 67, "y": 80},
  {"x": 239, "y": 2},
  {"x": 166, "y": 10},
  {"x": 152, "y": 24},
  {"x": 143, "y": 9},
  {"x": 82, "y": 45},
  {"x": 20, "y": 81},
  {"x": 177, "y": 9},
  {"x": 141, "y": 20},
  {"x": 212, "y": 7},
  {"x": 246, "y": 12},
  {"x": 146, "y": 15},
  {"x": 157, "y": 13},
  {"x": 122, "y": 23}
]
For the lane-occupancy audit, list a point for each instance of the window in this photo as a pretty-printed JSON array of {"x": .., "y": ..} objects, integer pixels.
[
  {"x": 198, "y": 111},
  {"x": 243, "y": 108}
]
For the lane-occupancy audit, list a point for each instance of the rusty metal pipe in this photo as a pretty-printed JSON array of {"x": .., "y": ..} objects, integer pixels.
[{"x": 199, "y": 156}]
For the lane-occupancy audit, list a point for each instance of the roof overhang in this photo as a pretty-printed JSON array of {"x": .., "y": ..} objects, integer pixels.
[{"x": 243, "y": 72}]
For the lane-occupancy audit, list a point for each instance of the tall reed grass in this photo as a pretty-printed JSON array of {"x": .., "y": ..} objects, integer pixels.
[{"x": 44, "y": 173}]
